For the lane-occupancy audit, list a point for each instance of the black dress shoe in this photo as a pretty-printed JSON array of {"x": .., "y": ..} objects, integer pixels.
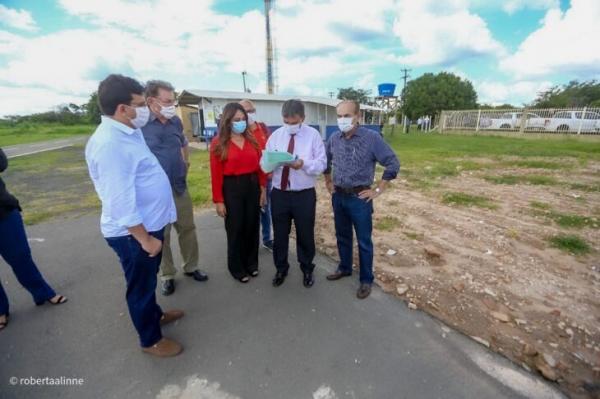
[
  {"x": 198, "y": 275},
  {"x": 309, "y": 280},
  {"x": 279, "y": 279},
  {"x": 364, "y": 291},
  {"x": 337, "y": 275},
  {"x": 168, "y": 287}
]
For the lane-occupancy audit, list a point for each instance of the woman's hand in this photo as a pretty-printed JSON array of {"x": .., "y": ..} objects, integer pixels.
[
  {"x": 263, "y": 197},
  {"x": 221, "y": 210}
]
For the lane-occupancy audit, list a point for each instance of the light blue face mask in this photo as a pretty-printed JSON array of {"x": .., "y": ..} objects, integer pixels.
[{"x": 238, "y": 127}]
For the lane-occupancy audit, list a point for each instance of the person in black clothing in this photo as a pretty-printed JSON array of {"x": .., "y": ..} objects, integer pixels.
[{"x": 15, "y": 250}]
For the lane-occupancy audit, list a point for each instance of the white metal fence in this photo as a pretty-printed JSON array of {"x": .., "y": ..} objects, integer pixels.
[{"x": 525, "y": 120}]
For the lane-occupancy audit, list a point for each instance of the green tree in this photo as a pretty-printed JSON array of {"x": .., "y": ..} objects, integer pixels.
[
  {"x": 572, "y": 94},
  {"x": 430, "y": 94},
  {"x": 92, "y": 109},
  {"x": 349, "y": 93}
]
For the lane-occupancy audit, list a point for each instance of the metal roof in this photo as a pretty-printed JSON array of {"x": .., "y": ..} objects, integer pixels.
[{"x": 192, "y": 97}]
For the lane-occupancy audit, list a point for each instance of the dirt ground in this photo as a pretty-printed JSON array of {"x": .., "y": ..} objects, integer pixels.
[{"x": 491, "y": 273}]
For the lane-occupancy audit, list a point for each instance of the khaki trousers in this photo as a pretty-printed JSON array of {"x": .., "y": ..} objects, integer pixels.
[{"x": 186, "y": 233}]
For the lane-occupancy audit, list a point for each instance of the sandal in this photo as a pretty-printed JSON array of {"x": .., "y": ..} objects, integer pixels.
[
  {"x": 60, "y": 299},
  {"x": 244, "y": 279},
  {"x": 3, "y": 324}
]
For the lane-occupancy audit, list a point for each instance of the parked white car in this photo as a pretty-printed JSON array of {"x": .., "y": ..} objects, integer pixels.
[
  {"x": 565, "y": 121},
  {"x": 510, "y": 120}
]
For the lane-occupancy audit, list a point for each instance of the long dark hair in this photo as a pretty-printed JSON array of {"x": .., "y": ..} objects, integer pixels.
[{"x": 225, "y": 128}]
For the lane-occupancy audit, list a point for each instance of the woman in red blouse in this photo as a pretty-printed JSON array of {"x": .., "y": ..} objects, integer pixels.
[{"x": 238, "y": 188}]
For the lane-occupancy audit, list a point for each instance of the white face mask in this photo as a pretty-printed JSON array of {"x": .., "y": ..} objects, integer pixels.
[
  {"x": 345, "y": 124},
  {"x": 168, "y": 112},
  {"x": 252, "y": 118},
  {"x": 141, "y": 116},
  {"x": 292, "y": 129}
]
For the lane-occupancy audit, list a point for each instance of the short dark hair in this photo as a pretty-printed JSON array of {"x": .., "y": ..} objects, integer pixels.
[
  {"x": 152, "y": 87},
  {"x": 117, "y": 89},
  {"x": 355, "y": 103},
  {"x": 292, "y": 108}
]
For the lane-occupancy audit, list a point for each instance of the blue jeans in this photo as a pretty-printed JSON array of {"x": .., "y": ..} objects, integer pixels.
[
  {"x": 265, "y": 215},
  {"x": 350, "y": 211},
  {"x": 15, "y": 250},
  {"x": 140, "y": 274}
]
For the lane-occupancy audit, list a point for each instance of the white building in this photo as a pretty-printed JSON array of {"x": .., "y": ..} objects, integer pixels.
[{"x": 200, "y": 109}]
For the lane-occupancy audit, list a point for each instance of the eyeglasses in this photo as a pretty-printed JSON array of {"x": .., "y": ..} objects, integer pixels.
[{"x": 168, "y": 103}]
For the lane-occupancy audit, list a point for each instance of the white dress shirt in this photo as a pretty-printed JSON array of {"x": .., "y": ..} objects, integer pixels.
[
  {"x": 308, "y": 146},
  {"x": 131, "y": 184}
]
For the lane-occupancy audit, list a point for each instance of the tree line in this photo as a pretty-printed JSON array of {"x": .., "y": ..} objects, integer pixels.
[
  {"x": 427, "y": 95},
  {"x": 431, "y": 93},
  {"x": 66, "y": 114}
]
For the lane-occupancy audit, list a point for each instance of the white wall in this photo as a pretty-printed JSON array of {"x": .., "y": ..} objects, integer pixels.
[{"x": 269, "y": 112}]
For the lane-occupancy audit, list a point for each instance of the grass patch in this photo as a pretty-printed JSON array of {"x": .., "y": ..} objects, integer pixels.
[
  {"x": 450, "y": 168},
  {"x": 573, "y": 221},
  {"x": 539, "y": 205},
  {"x": 387, "y": 223},
  {"x": 427, "y": 158},
  {"x": 507, "y": 179},
  {"x": 417, "y": 148},
  {"x": 198, "y": 180},
  {"x": 41, "y": 211},
  {"x": 413, "y": 236},
  {"x": 467, "y": 200},
  {"x": 50, "y": 184},
  {"x": 54, "y": 183},
  {"x": 537, "y": 180},
  {"x": 585, "y": 187},
  {"x": 536, "y": 164},
  {"x": 564, "y": 219},
  {"x": 570, "y": 243},
  {"x": 35, "y": 132}
]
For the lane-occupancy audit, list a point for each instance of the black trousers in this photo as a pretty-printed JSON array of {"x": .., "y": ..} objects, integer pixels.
[
  {"x": 300, "y": 207},
  {"x": 242, "y": 202}
]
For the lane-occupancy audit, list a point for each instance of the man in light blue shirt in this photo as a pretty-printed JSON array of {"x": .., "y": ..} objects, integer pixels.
[{"x": 137, "y": 204}]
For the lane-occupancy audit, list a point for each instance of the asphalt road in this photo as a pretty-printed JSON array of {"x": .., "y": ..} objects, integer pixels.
[
  {"x": 18, "y": 150},
  {"x": 241, "y": 341}
]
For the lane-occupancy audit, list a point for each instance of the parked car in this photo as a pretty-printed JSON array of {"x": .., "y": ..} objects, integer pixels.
[
  {"x": 564, "y": 121},
  {"x": 510, "y": 120}
]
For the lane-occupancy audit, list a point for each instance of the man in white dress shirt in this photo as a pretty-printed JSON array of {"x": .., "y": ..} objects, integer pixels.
[
  {"x": 137, "y": 204},
  {"x": 293, "y": 196}
]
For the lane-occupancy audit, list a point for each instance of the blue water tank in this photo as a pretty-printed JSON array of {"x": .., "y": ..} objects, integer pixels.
[{"x": 386, "y": 89}]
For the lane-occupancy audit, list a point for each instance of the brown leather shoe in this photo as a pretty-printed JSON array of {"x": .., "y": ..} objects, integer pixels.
[
  {"x": 337, "y": 275},
  {"x": 170, "y": 316},
  {"x": 164, "y": 348},
  {"x": 364, "y": 291}
]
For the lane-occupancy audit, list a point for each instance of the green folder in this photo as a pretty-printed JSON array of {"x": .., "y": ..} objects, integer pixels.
[{"x": 272, "y": 159}]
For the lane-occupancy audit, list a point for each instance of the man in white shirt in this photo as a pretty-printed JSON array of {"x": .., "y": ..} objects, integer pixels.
[
  {"x": 137, "y": 204},
  {"x": 293, "y": 196}
]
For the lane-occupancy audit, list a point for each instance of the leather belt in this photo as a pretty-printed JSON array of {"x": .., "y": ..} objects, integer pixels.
[{"x": 351, "y": 190}]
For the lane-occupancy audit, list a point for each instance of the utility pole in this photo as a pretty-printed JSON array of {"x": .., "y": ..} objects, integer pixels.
[
  {"x": 330, "y": 94},
  {"x": 244, "y": 80},
  {"x": 269, "y": 52},
  {"x": 405, "y": 77}
]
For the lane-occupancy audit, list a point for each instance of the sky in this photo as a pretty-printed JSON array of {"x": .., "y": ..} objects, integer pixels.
[{"x": 57, "y": 51}]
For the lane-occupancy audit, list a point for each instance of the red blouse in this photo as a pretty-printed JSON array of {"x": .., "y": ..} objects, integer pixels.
[
  {"x": 240, "y": 161},
  {"x": 261, "y": 133}
]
